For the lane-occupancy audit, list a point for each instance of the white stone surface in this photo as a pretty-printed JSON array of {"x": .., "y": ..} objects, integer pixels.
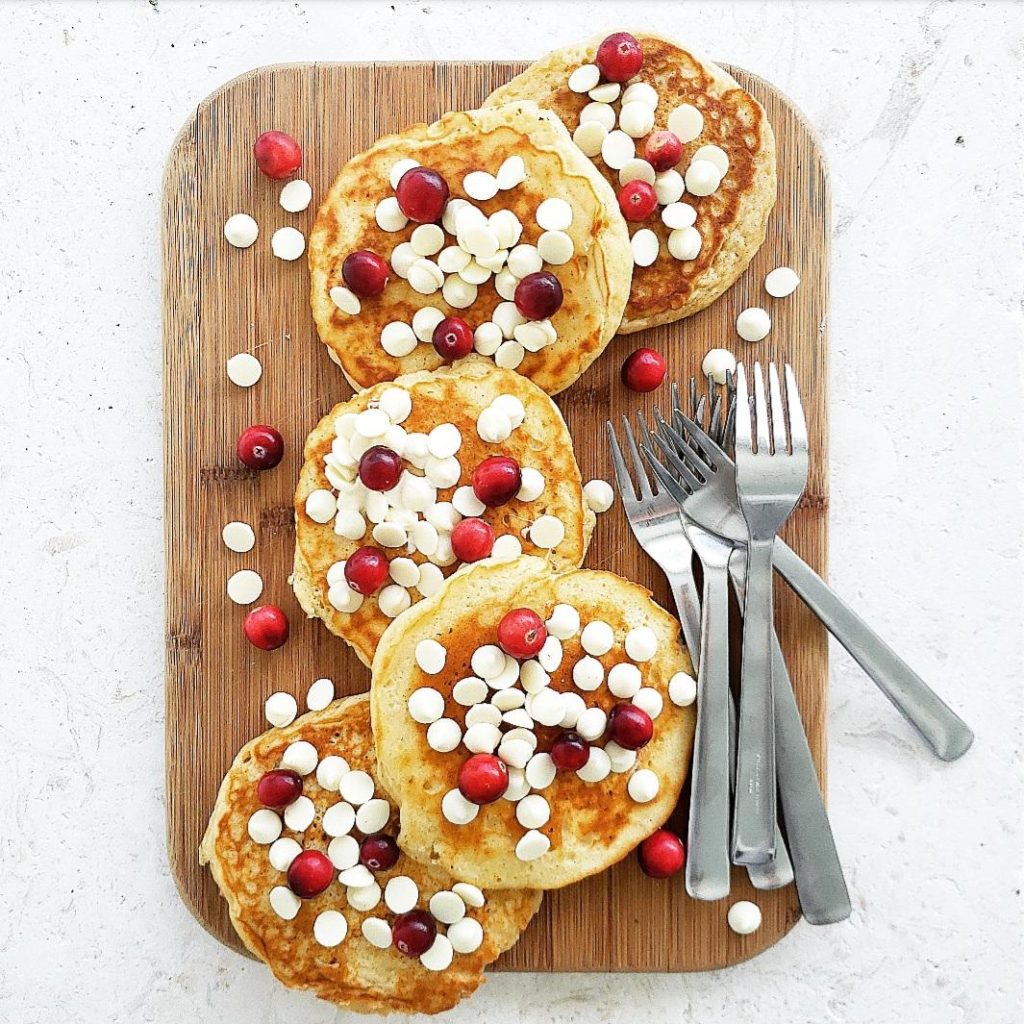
[{"x": 919, "y": 106}]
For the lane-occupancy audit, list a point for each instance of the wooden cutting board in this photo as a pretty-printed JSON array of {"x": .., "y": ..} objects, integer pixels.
[{"x": 219, "y": 301}]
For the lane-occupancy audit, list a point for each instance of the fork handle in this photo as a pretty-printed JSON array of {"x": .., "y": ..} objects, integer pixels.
[
  {"x": 707, "y": 859},
  {"x": 753, "y": 835},
  {"x": 942, "y": 729},
  {"x": 684, "y": 591}
]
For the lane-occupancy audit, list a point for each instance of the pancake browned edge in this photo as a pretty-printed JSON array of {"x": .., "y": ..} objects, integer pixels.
[
  {"x": 595, "y": 281},
  {"x": 355, "y": 974},
  {"x": 732, "y": 221},
  {"x": 592, "y": 825},
  {"x": 457, "y": 394}
]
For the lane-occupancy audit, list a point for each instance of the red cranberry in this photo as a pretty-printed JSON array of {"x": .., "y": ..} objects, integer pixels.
[
  {"x": 365, "y": 273},
  {"x": 663, "y": 150},
  {"x": 570, "y": 752},
  {"x": 260, "y": 447},
  {"x": 266, "y": 627},
  {"x": 380, "y": 468},
  {"x": 472, "y": 539},
  {"x": 631, "y": 727},
  {"x": 619, "y": 57},
  {"x": 277, "y": 154},
  {"x": 366, "y": 570},
  {"x": 278, "y": 788},
  {"x": 453, "y": 338},
  {"x": 521, "y": 633},
  {"x": 379, "y": 852},
  {"x": 637, "y": 200},
  {"x": 539, "y": 295},
  {"x": 644, "y": 370},
  {"x": 662, "y": 854},
  {"x": 310, "y": 873},
  {"x": 422, "y": 194},
  {"x": 413, "y": 933},
  {"x": 483, "y": 779},
  {"x": 497, "y": 480}
]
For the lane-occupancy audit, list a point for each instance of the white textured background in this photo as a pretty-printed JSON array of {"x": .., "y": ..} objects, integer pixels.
[{"x": 920, "y": 108}]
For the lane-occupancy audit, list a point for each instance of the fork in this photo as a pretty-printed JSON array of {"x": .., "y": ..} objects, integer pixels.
[
  {"x": 769, "y": 482},
  {"x": 715, "y": 508}
]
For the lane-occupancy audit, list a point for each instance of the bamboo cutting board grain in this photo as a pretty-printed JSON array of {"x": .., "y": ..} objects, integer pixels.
[{"x": 219, "y": 301}]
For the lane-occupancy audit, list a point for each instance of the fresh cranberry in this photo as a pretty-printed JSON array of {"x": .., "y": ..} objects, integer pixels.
[
  {"x": 379, "y": 852},
  {"x": 422, "y": 194},
  {"x": 278, "y": 788},
  {"x": 472, "y": 539},
  {"x": 453, "y": 338},
  {"x": 260, "y": 446},
  {"x": 483, "y": 779},
  {"x": 266, "y": 627},
  {"x": 631, "y": 727},
  {"x": 380, "y": 468},
  {"x": 366, "y": 570},
  {"x": 310, "y": 873},
  {"x": 570, "y": 752},
  {"x": 644, "y": 370},
  {"x": 663, "y": 150},
  {"x": 539, "y": 295},
  {"x": 413, "y": 933},
  {"x": 637, "y": 200},
  {"x": 662, "y": 854},
  {"x": 521, "y": 633},
  {"x": 497, "y": 480},
  {"x": 619, "y": 57},
  {"x": 277, "y": 154},
  {"x": 365, "y": 273}
]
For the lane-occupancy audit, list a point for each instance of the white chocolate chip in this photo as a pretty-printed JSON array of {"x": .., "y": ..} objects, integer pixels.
[
  {"x": 452, "y": 259},
  {"x": 299, "y": 814},
  {"x": 564, "y": 621},
  {"x": 641, "y": 92},
  {"x": 238, "y": 537},
  {"x": 518, "y": 787},
  {"x": 399, "y": 168},
  {"x": 466, "y": 936},
  {"x": 283, "y": 851},
  {"x": 320, "y": 694},
  {"x": 509, "y": 355},
  {"x": 426, "y": 705},
  {"x": 444, "y": 440},
  {"x": 244, "y": 370},
  {"x": 590, "y": 136},
  {"x": 641, "y": 643},
  {"x": 591, "y": 723},
  {"x": 512, "y": 172},
  {"x": 466, "y": 502},
  {"x": 487, "y": 338},
  {"x": 547, "y": 532},
  {"x": 744, "y": 917},
  {"x": 431, "y": 656},
  {"x": 682, "y": 689},
  {"x": 350, "y": 524},
  {"x": 482, "y": 737},
  {"x": 440, "y": 955},
  {"x": 330, "y": 928},
  {"x": 715, "y": 155},
  {"x": 636, "y": 118},
  {"x": 480, "y": 185},
  {"x": 339, "y": 819},
  {"x": 597, "y": 767},
  {"x": 401, "y": 894},
  {"x": 550, "y": 655},
  {"x": 427, "y": 240},
  {"x": 645, "y": 246},
  {"x": 389, "y": 216},
  {"x": 533, "y": 811},
  {"x": 444, "y": 735},
  {"x": 574, "y": 706},
  {"x": 356, "y": 787},
  {"x": 377, "y": 932},
  {"x": 686, "y": 121},
  {"x": 554, "y": 215},
  {"x": 624, "y": 680},
  {"x": 397, "y": 339},
  {"x": 431, "y": 579},
  {"x": 584, "y": 78},
  {"x": 458, "y": 293},
  {"x": 506, "y": 547},
  {"x": 779, "y": 283},
  {"x": 546, "y": 706},
  {"x": 648, "y": 699},
  {"x": 403, "y": 256},
  {"x": 532, "y": 845},
  {"x": 343, "y": 850},
  {"x": 288, "y": 244},
  {"x": 753, "y": 324},
  {"x": 280, "y": 709},
  {"x": 532, "y": 484},
  {"x": 636, "y": 170},
  {"x": 447, "y": 906},
  {"x": 669, "y": 187},
  {"x": 617, "y": 149},
  {"x": 597, "y": 638},
  {"x": 598, "y": 495},
  {"x": 483, "y": 714},
  {"x": 321, "y": 505},
  {"x": 606, "y": 92},
  {"x": 373, "y": 816},
  {"x": 588, "y": 673},
  {"x": 602, "y": 113},
  {"x": 296, "y": 196},
  {"x": 344, "y": 599},
  {"x": 457, "y": 809},
  {"x": 555, "y": 247},
  {"x": 390, "y": 535},
  {"x": 493, "y": 426},
  {"x": 241, "y": 230},
  {"x": 524, "y": 259},
  {"x": 393, "y": 600},
  {"x": 245, "y": 586},
  {"x": 329, "y": 772},
  {"x": 284, "y": 902},
  {"x": 540, "y": 771},
  {"x": 264, "y": 826},
  {"x": 702, "y": 178},
  {"x": 469, "y": 691},
  {"x": 619, "y": 758},
  {"x": 684, "y": 243},
  {"x": 678, "y": 215},
  {"x": 425, "y": 276},
  {"x": 717, "y": 363},
  {"x": 643, "y": 786}
]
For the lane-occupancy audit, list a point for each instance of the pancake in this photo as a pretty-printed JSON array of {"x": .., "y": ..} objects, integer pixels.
[
  {"x": 595, "y": 280},
  {"x": 592, "y": 824},
  {"x": 355, "y": 973},
  {"x": 731, "y": 221},
  {"x": 456, "y": 394}
]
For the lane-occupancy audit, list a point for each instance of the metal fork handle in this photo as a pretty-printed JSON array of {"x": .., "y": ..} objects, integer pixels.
[
  {"x": 754, "y": 813},
  {"x": 684, "y": 592},
  {"x": 707, "y": 860},
  {"x": 824, "y": 898},
  {"x": 941, "y": 728}
]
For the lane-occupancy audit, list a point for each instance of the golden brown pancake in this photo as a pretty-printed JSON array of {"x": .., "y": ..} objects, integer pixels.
[
  {"x": 592, "y": 824},
  {"x": 595, "y": 281},
  {"x": 355, "y": 973},
  {"x": 731, "y": 221},
  {"x": 455, "y": 394}
]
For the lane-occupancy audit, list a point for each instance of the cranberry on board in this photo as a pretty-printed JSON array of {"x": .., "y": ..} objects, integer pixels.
[
  {"x": 266, "y": 627},
  {"x": 279, "y": 787},
  {"x": 260, "y": 446},
  {"x": 663, "y": 150},
  {"x": 422, "y": 194},
  {"x": 453, "y": 338},
  {"x": 619, "y": 57},
  {"x": 365, "y": 273},
  {"x": 413, "y": 932},
  {"x": 631, "y": 727},
  {"x": 378, "y": 852},
  {"x": 643, "y": 370},
  {"x": 472, "y": 539},
  {"x": 662, "y": 854},
  {"x": 539, "y": 295},
  {"x": 497, "y": 480},
  {"x": 277, "y": 154},
  {"x": 570, "y": 752},
  {"x": 380, "y": 468},
  {"x": 310, "y": 873},
  {"x": 366, "y": 570},
  {"x": 483, "y": 778},
  {"x": 521, "y": 633},
  {"x": 637, "y": 200}
]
